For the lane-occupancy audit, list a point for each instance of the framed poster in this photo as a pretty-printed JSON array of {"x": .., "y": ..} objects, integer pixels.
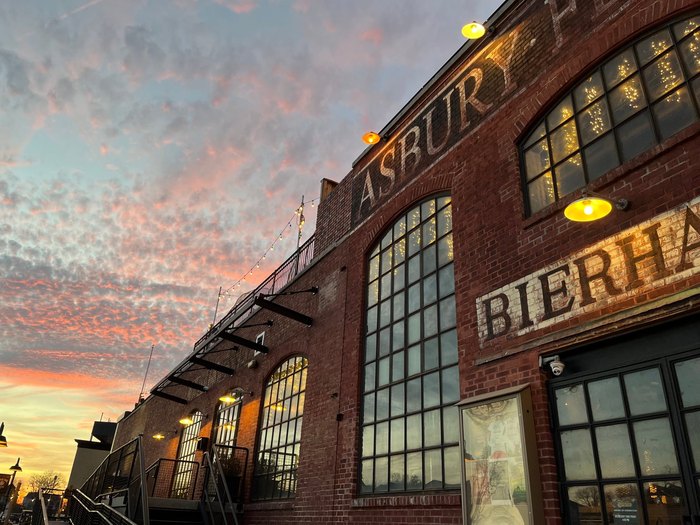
[{"x": 500, "y": 475}]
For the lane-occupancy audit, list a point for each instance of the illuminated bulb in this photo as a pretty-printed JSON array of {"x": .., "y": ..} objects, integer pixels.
[
  {"x": 371, "y": 137},
  {"x": 588, "y": 209},
  {"x": 473, "y": 31},
  {"x": 228, "y": 398},
  {"x": 158, "y": 437},
  {"x": 186, "y": 421}
]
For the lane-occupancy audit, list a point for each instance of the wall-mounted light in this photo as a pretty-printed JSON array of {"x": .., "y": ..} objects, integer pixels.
[
  {"x": 473, "y": 30},
  {"x": 235, "y": 395},
  {"x": 591, "y": 207},
  {"x": 187, "y": 420},
  {"x": 159, "y": 436},
  {"x": 371, "y": 137}
]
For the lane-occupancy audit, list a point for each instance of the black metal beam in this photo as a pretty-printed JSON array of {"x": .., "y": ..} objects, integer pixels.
[
  {"x": 283, "y": 310},
  {"x": 190, "y": 384},
  {"x": 244, "y": 342},
  {"x": 213, "y": 366},
  {"x": 169, "y": 397}
]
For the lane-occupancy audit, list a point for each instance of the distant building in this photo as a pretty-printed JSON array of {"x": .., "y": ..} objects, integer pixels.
[{"x": 90, "y": 453}]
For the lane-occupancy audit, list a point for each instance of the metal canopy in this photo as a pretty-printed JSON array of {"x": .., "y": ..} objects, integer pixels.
[
  {"x": 185, "y": 382},
  {"x": 228, "y": 336},
  {"x": 283, "y": 310},
  {"x": 169, "y": 397},
  {"x": 212, "y": 366}
]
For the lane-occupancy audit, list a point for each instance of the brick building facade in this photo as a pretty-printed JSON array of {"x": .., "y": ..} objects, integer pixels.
[{"x": 469, "y": 183}]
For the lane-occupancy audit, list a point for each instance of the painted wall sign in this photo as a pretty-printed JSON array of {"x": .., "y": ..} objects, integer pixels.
[
  {"x": 485, "y": 81},
  {"x": 653, "y": 254}
]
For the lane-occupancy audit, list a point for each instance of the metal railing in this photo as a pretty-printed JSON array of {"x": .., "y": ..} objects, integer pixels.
[
  {"x": 172, "y": 478},
  {"x": 119, "y": 483},
  {"x": 40, "y": 515},
  {"x": 280, "y": 278},
  {"x": 234, "y": 466},
  {"x": 216, "y": 495},
  {"x": 84, "y": 511}
]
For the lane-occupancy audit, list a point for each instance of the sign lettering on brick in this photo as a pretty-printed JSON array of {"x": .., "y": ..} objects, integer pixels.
[{"x": 636, "y": 261}]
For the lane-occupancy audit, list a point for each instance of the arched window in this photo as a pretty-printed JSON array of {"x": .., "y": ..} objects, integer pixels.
[
  {"x": 640, "y": 97},
  {"x": 275, "y": 475},
  {"x": 226, "y": 423},
  {"x": 185, "y": 468},
  {"x": 411, "y": 380}
]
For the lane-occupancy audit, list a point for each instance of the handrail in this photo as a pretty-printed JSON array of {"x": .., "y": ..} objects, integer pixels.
[
  {"x": 114, "y": 517},
  {"x": 171, "y": 476},
  {"x": 218, "y": 477},
  {"x": 44, "y": 510}
]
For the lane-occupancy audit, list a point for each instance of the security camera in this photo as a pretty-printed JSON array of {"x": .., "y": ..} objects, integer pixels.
[{"x": 557, "y": 366}]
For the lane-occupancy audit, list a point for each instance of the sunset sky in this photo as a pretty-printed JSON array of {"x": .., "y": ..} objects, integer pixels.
[{"x": 150, "y": 152}]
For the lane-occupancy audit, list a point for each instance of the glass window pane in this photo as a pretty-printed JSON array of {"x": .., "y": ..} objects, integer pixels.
[
  {"x": 452, "y": 463},
  {"x": 413, "y": 395},
  {"x": 414, "y": 360},
  {"x": 578, "y": 454},
  {"x": 606, "y": 399},
  {"x": 594, "y": 121},
  {"x": 665, "y": 501},
  {"x": 400, "y": 251},
  {"x": 687, "y": 373},
  {"x": 399, "y": 277},
  {"x": 413, "y": 269},
  {"x": 398, "y": 303},
  {"x": 584, "y": 504},
  {"x": 430, "y": 321},
  {"x": 636, "y": 136},
  {"x": 450, "y": 419},
  {"x": 571, "y": 405},
  {"x": 368, "y": 441},
  {"x": 431, "y": 355},
  {"x": 537, "y": 159},
  {"x": 645, "y": 392},
  {"x": 414, "y": 432},
  {"x": 386, "y": 240},
  {"x": 397, "y": 435},
  {"x": 414, "y": 328},
  {"x": 383, "y": 404},
  {"x": 429, "y": 260},
  {"x": 623, "y": 503},
  {"x": 397, "y": 400},
  {"x": 384, "y": 337},
  {"x": 373, "y": 268},
  {"x": 675, "y": 113},
  {"x": 430, "y": 289},
  {"x": 371, "y": 347},
  {"x": 433, "y": 428},
  {"x": 627, "y": 99},
  {"x": 400, "y": 228},
  {"x": 570, "y": 175},
  {"x": 372, "y": 319},
  {"x": 448, "y": 348},
  {"x": 367, "y": 476},
  {"x": 414, "y": 242},
  {"x": 387, "y": 260},
  {"x": 588, "y": 91},
  {"x": 431, "y": 390},
  {"x": 373, "y": 293},
  {"x": 561, "y": 113},
  {"x": 433, "y": 470},
  {"x": 445, "y": 250},
  {"x": 655, "y": 449},
  {"x": 450, "y": 385},
  {"x": 414, "y": 296},
  {"x": 601, "y": 157},
  {"x": 429, "y": 232},
  {"x": 564, "y": 141},
  {"x": 385, "y": 313},
  {"x": 692, "y": 427},
  {"x": 448, "y": 315},
  {"x": 428, "y": 208},
  {"x": 653, "y": 46},
  {"x": 381, "y": 438},
  {"x": 663, "y": 75},
  {"x": 413, "y": 218},
  {"x": 541, "y": 193},
  {"x": 690, "y": 52},
  {"x": 384, "y": 371},
  {"x": 397, "y": 366},
  {"x": 619, "y": 68},
  {"x": 396, "y": 473},
  {"x": 368, "y": 411},
  {"x": 535, "y": 135},
  {"x": 369, "y": 377},
  {"x": 446, "y": 280},
  {"x": 614, "y": 451},
  {"x": 445, "y": 221},
  {"x": 686, "y": 27},
  {"x": 381, "y": 474},
  {"x": 386, "y": 286},
  {"x": 414, "y": 471}
]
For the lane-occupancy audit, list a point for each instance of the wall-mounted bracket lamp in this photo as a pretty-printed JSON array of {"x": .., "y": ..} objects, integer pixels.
[{"x": 592, "y": 206}]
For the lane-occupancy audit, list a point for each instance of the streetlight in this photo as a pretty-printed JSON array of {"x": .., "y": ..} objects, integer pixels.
[
  {"x": 3, "y": 439},
  {"x": 15, "y": 469},
  {"x": 8, "y": 502}
]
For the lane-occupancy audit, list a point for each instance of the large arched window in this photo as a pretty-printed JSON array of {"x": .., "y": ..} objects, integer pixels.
[
  {"x": 226, "y": 423},
  {"x": 275, "y": 475},
  {"x": 411, "y": 380},
  {"x": 635, "y": 100},
  {"x": 185, "y": 468}
]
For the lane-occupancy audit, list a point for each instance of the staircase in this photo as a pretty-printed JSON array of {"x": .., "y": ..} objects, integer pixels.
[{"x": 174, "y": 512}]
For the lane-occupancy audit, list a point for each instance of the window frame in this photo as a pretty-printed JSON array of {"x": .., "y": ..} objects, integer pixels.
[
  {"x": 186, "y": 456},
  {"x": 399, "y": 232},
  {"x": 690, "y": 82}
]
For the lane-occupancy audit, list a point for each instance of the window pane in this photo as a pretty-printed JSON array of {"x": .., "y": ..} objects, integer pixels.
[
  {"x": 448, "y": 315},
  {"x": 398, "y": 304},
  {"x": 413, "y": 395},
  {"x": 414, "y": 360},
  {"x": 564, "y": 141},
  {"x": 400, "y": 251},
  {"x": 614, "y": 451},
  {"x": 373, "y": 268},
  {"x": 384, "y": 371},
  {"x": 655, "y": 450},
  {"x": 414, "y": 471},
  {"x": 381, "y": 474},
  {"x": 571, "y": 405},
  {"x": 537, "y": 159},
  {"x": 445, "y": 250},
  {"x": 414, "y": 298},
  {"x": 606, "y": 399},
  {"x": 368, "y": 441},
  {"x": 692, "y": 426},
  {"x": 570, "y": 175},
  {"x": 368, "y": 411},
  {"x": 428, "y": 208},
  {"x": 396, "y": 473},
  {"x": 371, "y": 347},
  {"x": 431, "y": 390},
  {"x": 623, "y": 503},
  {"x": 397, "y": 366},
  {"x": 430, "y": 289},
  {"x": 429, "y": 232},
  {"x": 636, "y": 136},
  {"x": 663, "y": 75},
  {"x": 541, "y": 193},
  {"x": 665, "y": 501},
  {"x": 433, "y": 428},
  {"x": 686, "y": 27},
  {"x": 688, "y": 372},
  {"x": 386, "y": 286},
  {"x": 369, "y": 377},
  {"x": 446, "y": 280},
  {"x": 387, "y": 260},
  {"x": 433, "y": 470},
  {"x": 384, "y": 337},
  {"x": 578, "y": 454},
  {"x": 397, "y": 435},
  {"x": 561, "y": 113},
  {"x": 601, "y": 157},
  {"x": 619, "y": 68},
  {"x": 448, "y": 348},
  {"x": 431, "y": 355},
  {"x": 429, "y": 263},
  {"x": 381, "y": 438},
  {"x": 367, "y": 476},
  {"x": 450, "y": 385},
  {"x": 430, "y": 321},
  {"x": 445, "y": 221},
  {"x": 450, "y": 419},
  {"x": 414, "y": 328},
  {"x": 645, "y": 392},
  {"x": 397, "y": 400},
  {"x": 594, "y": 121},
  {"x": 383, "y": 404},
  {"x": 675, "y": 113},
  {"x": 400, "y": 229},
  {"x": 413, "y": 269},
  {"x": 413, "y": 218},
  {"x": 653, "y": 46},
  {"x": 585, "y": 503},
  {"x": 690, "y": 52},
  {"x": 414, "y": 432},
  {"x": 413, "y": 242},
  {"x": 452, "y": 471},
  {"x": 399, "y": 277},
  {"x": 627, "y": 99},
  {"x": 588, "y": 91},
  {"x": 373, "y": 293},
  {"x": 385, "y": 313}
]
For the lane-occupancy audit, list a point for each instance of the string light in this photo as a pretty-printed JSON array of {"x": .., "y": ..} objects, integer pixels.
[{"x": 669, "y": 77}]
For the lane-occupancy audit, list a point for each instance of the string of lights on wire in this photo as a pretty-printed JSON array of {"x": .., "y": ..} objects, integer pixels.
[{"x": 299, "y": 218}]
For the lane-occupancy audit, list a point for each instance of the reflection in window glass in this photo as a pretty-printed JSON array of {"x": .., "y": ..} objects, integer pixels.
[
  {"x": 571, "y": 405},
  {"x": 577, "y": 450},
  {"x": 665, "y": 501},
  {"x": 623, "y": 503},
  {"x": 640, "y": 97},
  {"x": 275, "y": 475},
  {"x": 584, "y": 505},
  {"x": 645, "y": 392},
  {"x": 414, "y": 377}
]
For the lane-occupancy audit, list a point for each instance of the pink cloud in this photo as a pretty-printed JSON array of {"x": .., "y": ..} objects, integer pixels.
[
  {"x": 238, "y": 6},
  {"x": 374, "y": 35}
]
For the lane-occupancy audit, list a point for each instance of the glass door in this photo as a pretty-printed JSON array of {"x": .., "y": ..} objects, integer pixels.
[{"x": 629, "y": 444}]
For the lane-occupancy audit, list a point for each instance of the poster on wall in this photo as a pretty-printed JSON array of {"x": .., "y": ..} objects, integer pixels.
[{"x": 495, "y": 476}]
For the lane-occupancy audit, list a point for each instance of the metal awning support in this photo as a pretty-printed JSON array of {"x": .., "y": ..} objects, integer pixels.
[
  {"x": 228, "y": 336},
  {"x": 190, "y": 384},
  {"x": 211, "y": 365},
  {"x": 283, "y": 310},
  {"x": 169, "y": 397}
]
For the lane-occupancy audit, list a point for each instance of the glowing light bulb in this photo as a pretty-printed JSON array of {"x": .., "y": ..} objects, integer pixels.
[{"x": 588, "y": 209}]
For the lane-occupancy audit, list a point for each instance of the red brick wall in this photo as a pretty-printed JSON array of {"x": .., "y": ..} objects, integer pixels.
[{"x": 495, "y": 244}]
